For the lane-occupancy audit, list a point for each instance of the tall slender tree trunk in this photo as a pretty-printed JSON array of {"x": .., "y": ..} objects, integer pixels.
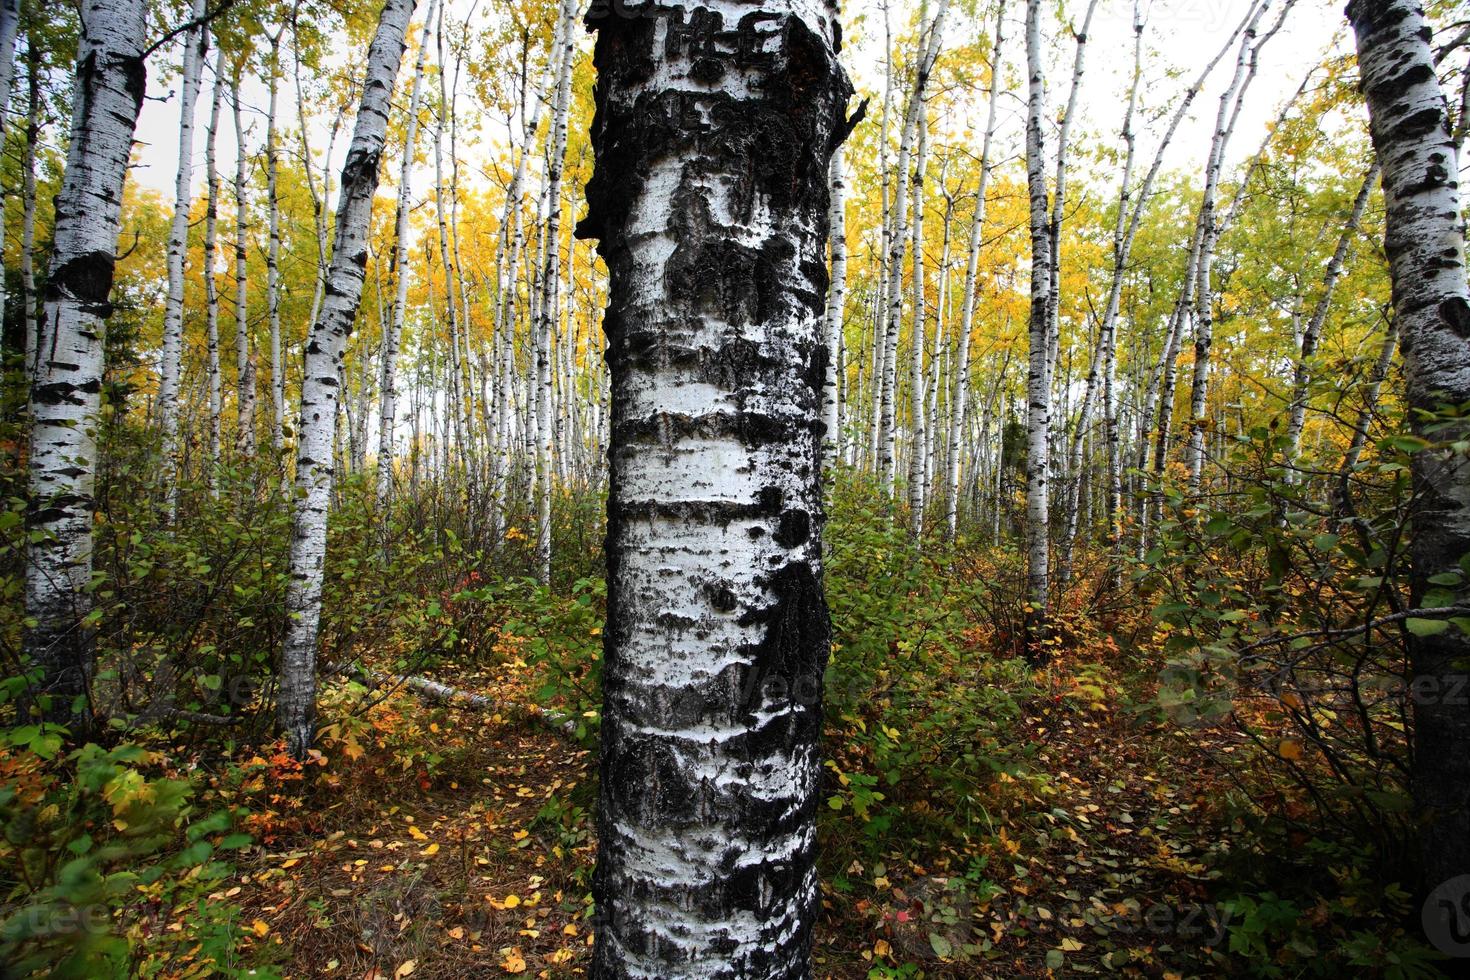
[
  {"x": 211, "y": 288},
  {"x": 1038, "y": 387},
  {"x": 960, "y": 397},
  {"x": 1231, "y": 102},
  {"x": 244, "y": 364},
  {"x": 1312, "y": 333},
  {"x": 917, "y": 330},
  {"x": 65, "y": 397},
  {"x": 273, "y": 251},
  {"x": 393, "y": 333},
  {"x": 898, "y": 241},
  {"x": 1425, "y": 243},
  {"x": 550, "y": 315},
  {"x": 713, "y": 140},
  {"x": 9, "y": 28},
  {"x": 28, "y": 206},
  {"x": 836, "y": 307},
  {"x": 296, "y": 702},
  {"x": 196, "y": 41}
]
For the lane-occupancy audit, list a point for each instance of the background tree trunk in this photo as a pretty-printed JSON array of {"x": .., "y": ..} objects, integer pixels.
[
  {"x": 1038, "y": 381},
  {"x": 196, "y": 40},
  {"x": 296, "y": 702}
]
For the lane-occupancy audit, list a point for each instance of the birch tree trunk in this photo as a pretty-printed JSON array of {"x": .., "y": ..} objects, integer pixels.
[
  {"x": 967, "y": 318},
  {"x": 836, "y": 307},
  {"x": 1204, "y": 301},
  {"x": 1038, "y": 386},
  {"x": 393, "y": 334},
  {"x": 898, "y": 241},
  {"x": 273, "y": 252},
  {"x": 1059, "y": 193},
  {"x": 65, "y": 397},
  {"x": 713, "y": 136},
  {"x": 196, "y": 41},
  {"x": 1311, "y": 334},
  {"x": 296, "y": 701},
  {"x": 550, "y": 281},
  {"x": 211, "y": 290},
  {"x": 917, "y": 330},
  {"x": 1425, "y": 243},
  {"x": 28, "y": 207},
  {"x": 244, "y": 365},
  {"x": 9, "y": 27}
]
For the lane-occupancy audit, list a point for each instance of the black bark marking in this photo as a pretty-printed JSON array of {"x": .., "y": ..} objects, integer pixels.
[
  {"x": 87, "y": 279},
  {"x": 1456, "y": 313}
]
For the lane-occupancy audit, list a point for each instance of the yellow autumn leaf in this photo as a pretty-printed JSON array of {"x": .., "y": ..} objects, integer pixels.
[
  {"x": 513, "y": 961},
  {"x": 404, "y": 969},
  {"x": 260, "y": 928},
  {"x": 431, "y": 850}
]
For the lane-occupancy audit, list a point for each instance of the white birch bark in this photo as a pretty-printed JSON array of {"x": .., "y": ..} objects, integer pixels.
[
  {"x": 1038, "y": 386},
  {"x": 211, "y": 289},
  {"x": 898, "y": 241},
  {"x": 715, "y": 237},
  {"x": 320, "y": 393},
  {"x": 1231, "y": 102},
  {"x": 917, "y": 330},
  {"x": 273, "y": 251},
  {"x": 28, "y": 208},
  {"x": 65, "y": 396},
  {"x": 393, "y": 333},
  {"x": 550, "y": 314},
  {"x": 195, "y": 41},
  {"x": 1311, "y": 334},
  {"x": 9, "y": 28},
  {"x": 961, "y": 394},
  {"x": 836, "y": 307},
  {"x": 244, "y": 364},
  {"x": 1059, "y": 192},
  {"x": 1425, "y": 244}
]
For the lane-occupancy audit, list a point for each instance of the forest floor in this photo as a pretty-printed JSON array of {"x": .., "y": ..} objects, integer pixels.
[{"x": 475, "y": 860}]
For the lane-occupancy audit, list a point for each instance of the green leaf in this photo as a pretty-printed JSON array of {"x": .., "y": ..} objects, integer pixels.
[
  {"x": 940, "y": 945},
  {"x": 1055, "y": 959},
  {"x": 1426, "y": 627}
]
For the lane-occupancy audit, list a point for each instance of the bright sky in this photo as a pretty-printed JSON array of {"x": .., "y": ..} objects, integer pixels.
[{"x": 1182, "y": 35}]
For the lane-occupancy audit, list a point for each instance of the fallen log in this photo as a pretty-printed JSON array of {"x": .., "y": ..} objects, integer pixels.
[{"x": 440, "y": 693}]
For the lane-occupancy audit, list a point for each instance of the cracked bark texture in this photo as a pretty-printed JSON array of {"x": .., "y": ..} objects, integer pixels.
[
  {"x": 1425, "y": 242},
  {"x": 66, "y": 391},
  {"x": 320, "y": 385},
  {"x": 715, "y": 124}
]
